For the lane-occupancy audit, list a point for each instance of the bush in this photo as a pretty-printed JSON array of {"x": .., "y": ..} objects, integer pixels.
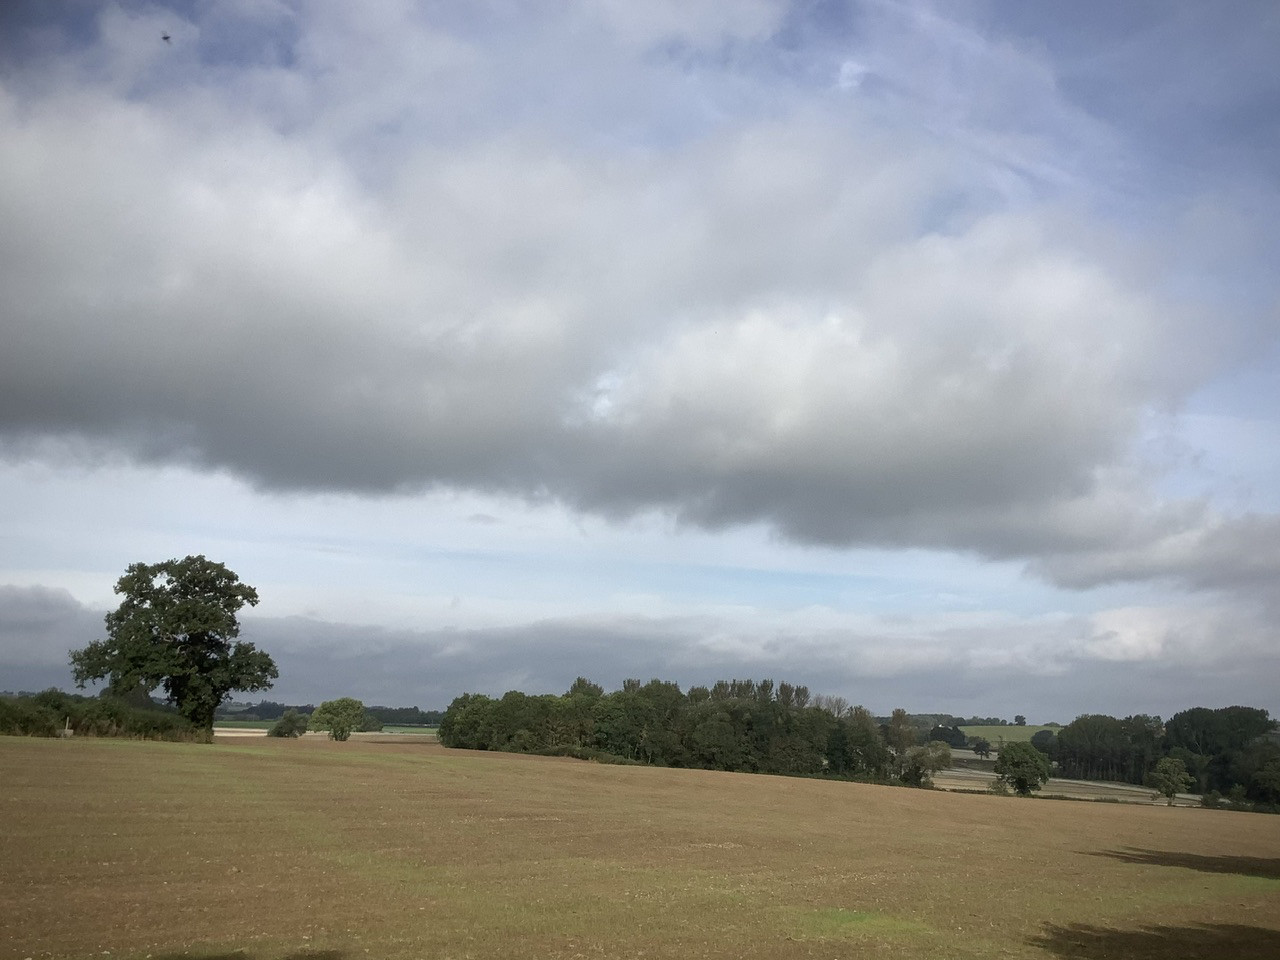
[
  {"x": 290, "y": 724},
  {"x": 48, "y": 713},
  {"x": 23, "y": 717},
  {"x": 588, "y": 753}
]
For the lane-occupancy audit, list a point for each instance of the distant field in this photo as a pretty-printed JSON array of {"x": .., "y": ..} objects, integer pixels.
[
  {"x": 264, "y": 849},
  {"x": 410, "y": 728},
  {"x": 1011, "y": 734},
  {"x": 267, "y": 724}
]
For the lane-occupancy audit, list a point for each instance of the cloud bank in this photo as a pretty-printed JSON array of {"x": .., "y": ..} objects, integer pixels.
[{"x": 894, "y": 279}]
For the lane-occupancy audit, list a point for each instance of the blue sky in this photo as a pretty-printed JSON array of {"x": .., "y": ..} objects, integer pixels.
[{"x": 922, "y": 353}]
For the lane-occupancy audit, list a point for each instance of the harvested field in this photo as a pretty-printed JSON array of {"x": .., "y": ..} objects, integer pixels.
[{"x": 261, "y": 849}]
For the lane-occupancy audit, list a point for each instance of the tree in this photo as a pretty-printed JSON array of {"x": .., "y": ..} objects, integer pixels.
[
  {"x": 582, "y": 687},
  {"x": 1042, "y": 740},
  {"x": 867, "y": 751},
  {"x": 951, "y": 736},
  {"x": 981, "y": 746},
  {"x": 1019, "y": 721},
  {"x": 1022, "y": 767},
  {"x": 899, "y": 734},
  {"x": 175, "y": 628},
  {"x": 340, "y": 717},
  {"x": 921, "y": 763},
  {"x": 1170, "y": 778},
  {"x": 290, "y": 724}
]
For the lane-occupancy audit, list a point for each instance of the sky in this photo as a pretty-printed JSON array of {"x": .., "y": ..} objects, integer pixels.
[{"x": 927, "y": 354}]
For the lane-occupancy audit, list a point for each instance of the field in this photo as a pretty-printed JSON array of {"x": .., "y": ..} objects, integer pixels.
[
  {"x": 263, "y": 849},
  {"x": 263, "y": 726},
  {"x": 1011, "y": 733}
]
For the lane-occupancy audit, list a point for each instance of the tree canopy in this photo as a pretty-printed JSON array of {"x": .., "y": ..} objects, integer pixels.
[
  {"x": 1022, "y": 767},
  {"x": 176, "y": 628},
  {"x": 340, "y": 717},
  {"x": 1170, "y": 778}
]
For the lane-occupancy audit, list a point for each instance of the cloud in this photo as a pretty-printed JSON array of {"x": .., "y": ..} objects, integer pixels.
[
  {"x": 1014, "y": 664},
  {"x": 335, "y": 263},
  {"x": 38, "y": 626},
  {"x": 980, "y": 661}
]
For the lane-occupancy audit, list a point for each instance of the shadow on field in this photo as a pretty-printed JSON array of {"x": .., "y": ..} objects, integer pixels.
[
  {"x": 241, "y": 955},
  {"x": 1218, "y": 941},
  {"x": 1248, "y": 866}
]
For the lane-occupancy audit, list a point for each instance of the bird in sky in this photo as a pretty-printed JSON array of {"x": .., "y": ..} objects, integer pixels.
[{"x": 166, "y": 38}]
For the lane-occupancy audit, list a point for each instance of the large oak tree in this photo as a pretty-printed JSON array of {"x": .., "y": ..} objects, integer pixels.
[{"x": 176, "y": 628}]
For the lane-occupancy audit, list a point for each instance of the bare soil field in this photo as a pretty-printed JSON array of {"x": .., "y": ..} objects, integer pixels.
[{"x": 263, "y": 849}]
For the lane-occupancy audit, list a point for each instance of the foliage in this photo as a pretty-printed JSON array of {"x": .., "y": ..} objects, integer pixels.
[
  {"x": 175, "y": 629},
  {"x": 952, "y": 736},
  {"x": 53, "y": 713},
  {"x": 744, "y": 725},
  {"x": 921, "y": 763},
  {"x": 1170, "y": 778},
  {"x": 1022, "y": 767},
  {"x": 340, "y": 717},
  {"x": 899, "y": 734},
  {"x": 1099, "y": 747},
  {"x": 290, "y": 724},
  {"x": 1043, "y": 741},
  {"x": 980, "y": 745}
]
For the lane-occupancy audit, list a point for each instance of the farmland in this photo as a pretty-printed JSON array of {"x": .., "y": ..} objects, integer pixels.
[
  {"x": 261, "y": 849},
  {"x": 1009, "y": 733}
]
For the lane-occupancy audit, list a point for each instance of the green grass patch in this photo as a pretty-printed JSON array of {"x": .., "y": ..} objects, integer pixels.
[{"x": 1010, "y": 734}]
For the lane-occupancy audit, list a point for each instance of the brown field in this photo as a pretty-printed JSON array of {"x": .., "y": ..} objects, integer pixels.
[{"x": 261, "y": 849}]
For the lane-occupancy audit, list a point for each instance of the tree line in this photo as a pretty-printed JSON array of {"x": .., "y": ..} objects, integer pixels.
[
  {"x": 271, "y": 710},
  {"x": 1230, "y": 750},
  {"x": 740, "y": 725}
]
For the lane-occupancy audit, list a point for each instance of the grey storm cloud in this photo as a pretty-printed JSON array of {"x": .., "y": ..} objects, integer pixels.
[
  {"x": 38, "y": 626},
  {"x": 1171, "y": 659},
  {"x": 805, "y": 316},
  {"x": 998, "y": 665}
]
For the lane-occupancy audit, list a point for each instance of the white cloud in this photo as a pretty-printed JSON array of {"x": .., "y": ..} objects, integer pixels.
[{"x": 639, "y": 263}]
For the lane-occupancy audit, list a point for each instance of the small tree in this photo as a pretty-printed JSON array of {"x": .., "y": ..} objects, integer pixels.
[
  {"x": 340, "y": 717},
  {"x": 290, "y": 724},
  {"x": 1022, "y": 767},
  {"x": 921, "y": 763},
  {"x": 900, "y": 736},
  {"x": 981, "y": 746},
  {"x": 1170, "y": 778}
]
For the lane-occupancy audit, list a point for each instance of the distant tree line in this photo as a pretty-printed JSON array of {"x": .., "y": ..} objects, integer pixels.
[
  {"x": 270, "y": 710},
  {"x": 1230, "y": 751},
  {"x": 742, "y": 725}
]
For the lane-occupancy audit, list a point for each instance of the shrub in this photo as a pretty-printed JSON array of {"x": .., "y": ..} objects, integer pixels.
[
  {"x": 47, "y": 714},
  {"x": 290, "y": 724}
]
